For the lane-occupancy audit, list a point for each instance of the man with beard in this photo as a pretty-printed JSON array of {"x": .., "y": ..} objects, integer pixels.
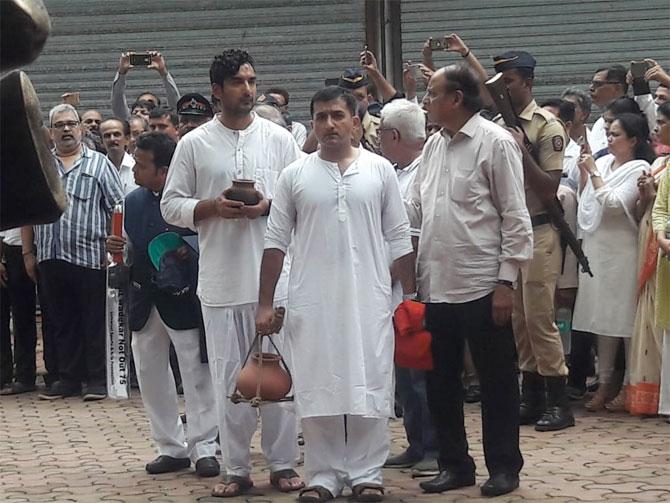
[
  {"x": 237, "y": 144},
  {"x": 193, "y": 111},
  {"x": 71, "y": 256},
  {"x": 115, "y": 136}
]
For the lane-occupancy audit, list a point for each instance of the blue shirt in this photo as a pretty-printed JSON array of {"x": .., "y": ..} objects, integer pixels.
[{"x": 93, "y": 189}]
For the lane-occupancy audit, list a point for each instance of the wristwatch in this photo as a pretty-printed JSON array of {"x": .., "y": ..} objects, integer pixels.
[
  {"x": 508, "y": 284},
  {"x": 595, "y": 173}
]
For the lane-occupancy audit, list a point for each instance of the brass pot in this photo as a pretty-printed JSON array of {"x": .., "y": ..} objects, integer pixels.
[{"x": 244, "y": 191}]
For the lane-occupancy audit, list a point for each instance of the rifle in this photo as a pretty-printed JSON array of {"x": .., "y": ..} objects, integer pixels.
[{"x": 501, "y": 98}]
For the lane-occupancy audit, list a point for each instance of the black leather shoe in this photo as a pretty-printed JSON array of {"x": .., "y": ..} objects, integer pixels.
[
  {"x": 403, "y": 460},
  {"x": 166, "y": 464},
  {"x": 501, "y": 483},
  {"x": 447, "y": 481},
  {"x": 555, "y": 418},
  {"x": 207, "y": 467}
]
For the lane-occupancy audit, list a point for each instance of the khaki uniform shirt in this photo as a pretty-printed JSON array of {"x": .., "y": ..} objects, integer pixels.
[
  {"x": 370, "y": 124},
  {"x": 549, "y": 139}
]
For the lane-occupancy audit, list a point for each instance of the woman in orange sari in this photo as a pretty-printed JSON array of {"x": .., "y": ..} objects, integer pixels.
[{"x": 645, "y": 358}]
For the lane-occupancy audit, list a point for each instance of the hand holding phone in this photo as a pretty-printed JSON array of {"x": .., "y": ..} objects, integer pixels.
[
  {"x": 454, "y": 43},
  {"x": 438, "y": 44},
  {"x": 139, "y": 58},
  {"x": 638, "y": 69}
]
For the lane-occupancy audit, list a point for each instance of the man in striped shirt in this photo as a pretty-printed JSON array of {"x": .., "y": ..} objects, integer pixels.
[{"x": 71, "y": 257}]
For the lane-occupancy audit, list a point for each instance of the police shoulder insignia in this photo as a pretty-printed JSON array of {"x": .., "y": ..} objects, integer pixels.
[{"x": 557, "y": 142}]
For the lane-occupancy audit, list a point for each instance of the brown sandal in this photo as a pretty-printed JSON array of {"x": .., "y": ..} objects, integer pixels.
[
  {"x": 368, "y": 492},
  {"x": 319, "y": 495},
  {"x": 287, "y": 474},
  {"x": 243, "y": 485}
]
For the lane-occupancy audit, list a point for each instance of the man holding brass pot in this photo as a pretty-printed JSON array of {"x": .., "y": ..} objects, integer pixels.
[{"x": 236, "y": 144}]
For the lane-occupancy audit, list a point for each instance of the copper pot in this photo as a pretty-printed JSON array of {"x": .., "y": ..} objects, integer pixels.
[
  {"x": 244, "y": 191},
  {"x": 275, "y": 381}
]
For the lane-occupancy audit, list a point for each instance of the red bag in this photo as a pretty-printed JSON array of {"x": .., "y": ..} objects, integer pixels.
[{"x": 412, "y": 340}]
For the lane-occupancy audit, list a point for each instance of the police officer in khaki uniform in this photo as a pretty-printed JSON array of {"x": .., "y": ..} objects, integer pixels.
[{"x": 544, "y": 401}]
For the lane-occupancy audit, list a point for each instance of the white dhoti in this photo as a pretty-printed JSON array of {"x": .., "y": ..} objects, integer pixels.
[
  {"x": 230, "y": 332},
  {"x": 337, "y": 456},
  {"x": 151, "y": 350}
]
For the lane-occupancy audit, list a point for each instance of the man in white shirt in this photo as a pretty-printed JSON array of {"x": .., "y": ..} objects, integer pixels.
[
  {"x": 608, "y": 84},
  {"x": 468, "y": 200},
  {"x": 115, "y": 135},
  {"x": 236, "y": 144},
  {"x": 339, "y": 208},
  {"x": 402, "y": 133}
]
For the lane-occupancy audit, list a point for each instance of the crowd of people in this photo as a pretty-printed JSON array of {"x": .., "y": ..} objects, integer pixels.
[{"x": 385, "y": 202}]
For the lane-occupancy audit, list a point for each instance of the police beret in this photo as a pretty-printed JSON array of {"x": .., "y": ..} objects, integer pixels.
[
  {"x": 353, "y": 78},
  {"x": 513, "y": 59},
  {"x": 194, "y": 104}
]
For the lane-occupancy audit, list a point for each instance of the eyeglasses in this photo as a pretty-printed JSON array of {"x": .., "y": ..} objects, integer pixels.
[
  {"x": 62, "y": 125},
  {"x": 600, "y": 83}
]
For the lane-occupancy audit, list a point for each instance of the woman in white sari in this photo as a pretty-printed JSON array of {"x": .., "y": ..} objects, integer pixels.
[{"x": 606, "y": 303}]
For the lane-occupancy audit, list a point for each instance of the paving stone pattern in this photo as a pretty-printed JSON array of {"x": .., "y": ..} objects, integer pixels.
[{"x": 72, "y": 451}]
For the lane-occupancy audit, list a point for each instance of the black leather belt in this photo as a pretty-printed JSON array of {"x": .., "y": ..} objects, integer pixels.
[{"x": 540, "y": 219}]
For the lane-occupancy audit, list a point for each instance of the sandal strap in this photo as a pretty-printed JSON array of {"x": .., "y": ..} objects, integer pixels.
[
  {"x": 324, "y": 494},
  {"x": 244, "y": 483},
  {"x": 359, "y": 488},
  {"x": 287, "y": 473}
]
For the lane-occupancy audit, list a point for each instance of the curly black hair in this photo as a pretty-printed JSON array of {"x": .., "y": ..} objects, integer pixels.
[{"x": 227, "y": 64}]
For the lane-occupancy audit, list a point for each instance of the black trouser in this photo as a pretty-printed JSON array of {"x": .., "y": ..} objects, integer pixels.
[
  {"x": 581, "y": 360},
  {"x": 6, "y": 358},
  {"x": 21, "y": 291},
  {"x": 493, "y": 353},
  {"x": 49, "y": 344},
  {"x": 76, "y": 300}
]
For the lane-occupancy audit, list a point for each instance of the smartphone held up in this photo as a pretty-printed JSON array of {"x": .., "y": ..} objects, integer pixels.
[{"x": 139, "y": 58}]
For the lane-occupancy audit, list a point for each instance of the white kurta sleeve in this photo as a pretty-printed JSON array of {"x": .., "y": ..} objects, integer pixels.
[
  {"x": 507, "y": 192},
  {"x": 395, "y": 224},
  {"x": 281, "y": 220},
  {"x": 178, "y": 202}
]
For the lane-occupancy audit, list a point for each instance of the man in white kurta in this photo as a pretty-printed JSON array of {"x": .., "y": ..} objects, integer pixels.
[
  {"x": 341, "y": 205},
  {"x": 236, "y": 144}
]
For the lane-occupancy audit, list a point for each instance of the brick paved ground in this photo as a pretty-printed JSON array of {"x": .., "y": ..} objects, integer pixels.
[{"x": 71, "y": 451}]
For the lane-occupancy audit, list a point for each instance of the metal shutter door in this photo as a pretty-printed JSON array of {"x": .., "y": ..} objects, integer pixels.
[
  {"x": 569, "y": 39},
  {"x": 296, "y": 44}
]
